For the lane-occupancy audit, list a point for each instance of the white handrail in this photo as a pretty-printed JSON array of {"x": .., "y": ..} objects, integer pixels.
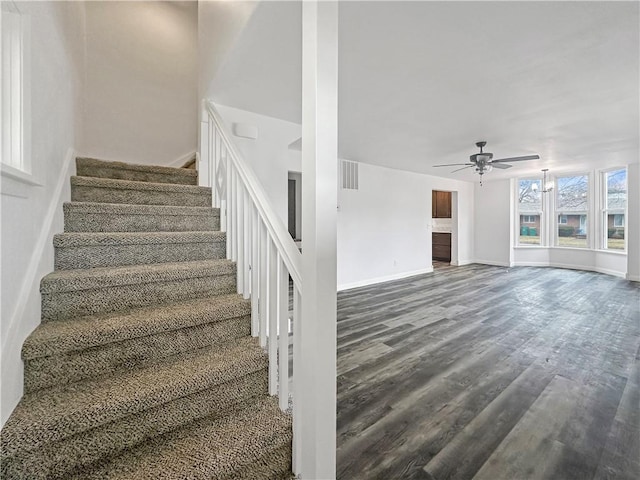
[
  {"x": 265, "y": 254},
  {"x": 279, "y": 234}
]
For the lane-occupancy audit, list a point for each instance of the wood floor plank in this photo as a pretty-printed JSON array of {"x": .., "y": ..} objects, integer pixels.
[{"x": 453, "y": 374}]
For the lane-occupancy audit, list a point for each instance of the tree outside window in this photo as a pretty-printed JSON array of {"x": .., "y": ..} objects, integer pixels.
[
  {"x": 572, "y": 205},
  {"x": 529, "y": 210},
  {"x": 615, "y": 204}
]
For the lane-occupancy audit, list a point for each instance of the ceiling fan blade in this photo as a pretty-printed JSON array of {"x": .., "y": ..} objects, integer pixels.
[
  {"x": 501, "y": 165},
  {"x": 454, "y": 164},
  {"x": 457, "y": 170},
  {"x": 518, "y": 159}
]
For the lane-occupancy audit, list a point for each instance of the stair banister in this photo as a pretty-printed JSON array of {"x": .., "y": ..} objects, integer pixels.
[
  {"x": 266, "y": 255},
  {"x": 276, "y": 229}
]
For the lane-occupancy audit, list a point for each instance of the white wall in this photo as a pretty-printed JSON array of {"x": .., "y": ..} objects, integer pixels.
[
  {"x": 219, "y": 25},
  {"x": 141, "y": 81},
  {"x": 384, "y": 227},
  {"x": 32, "y": 214},
  {"x": 492, "y": 222}
]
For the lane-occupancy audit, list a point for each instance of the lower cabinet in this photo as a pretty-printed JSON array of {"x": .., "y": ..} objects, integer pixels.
[{"x": 441, "y": 246}]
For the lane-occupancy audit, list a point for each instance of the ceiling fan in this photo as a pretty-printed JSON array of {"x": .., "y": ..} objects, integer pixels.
[{"x": 484, "y": 162}]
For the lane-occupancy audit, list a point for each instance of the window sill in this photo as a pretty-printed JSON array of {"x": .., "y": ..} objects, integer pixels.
[
  {"x": 18, "y": 175},
  {"x": 578, "y": 249}
]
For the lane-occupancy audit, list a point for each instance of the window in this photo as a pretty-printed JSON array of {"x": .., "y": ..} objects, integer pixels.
[
  {"x": 572, "y": 206},
  {"x": 530, "y": 210},
  {"x": 618, "y": 220},
  {"x": 614, "y": 204},
  {"x": 14, "y": 93}
]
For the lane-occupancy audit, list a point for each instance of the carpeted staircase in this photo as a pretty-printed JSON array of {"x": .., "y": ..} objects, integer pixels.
[{"x": 143, "y": 366}]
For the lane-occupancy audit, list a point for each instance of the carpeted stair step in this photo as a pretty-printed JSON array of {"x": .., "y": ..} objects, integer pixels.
[
  {"x": 108, "y": 190},
  {"x": 113, "y": 217},
  {"x": 252, "y": 444},
  {"x": 66, "y": 351},
  {"x": 52, "y": 431},
  {"x": 91, "y": 167},
  {"x": 76, "y": 250},
  {"x": 74, "y": 293}
]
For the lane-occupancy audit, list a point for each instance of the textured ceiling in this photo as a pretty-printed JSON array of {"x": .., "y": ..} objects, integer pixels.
[{"x": 421, "y": 82}]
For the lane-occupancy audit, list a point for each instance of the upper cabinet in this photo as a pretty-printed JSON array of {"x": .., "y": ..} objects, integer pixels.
[{"x": 440, "y": 204}]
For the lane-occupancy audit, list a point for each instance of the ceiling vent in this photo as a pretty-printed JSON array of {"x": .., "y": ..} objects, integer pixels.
[{"x": 349, "y": 175}]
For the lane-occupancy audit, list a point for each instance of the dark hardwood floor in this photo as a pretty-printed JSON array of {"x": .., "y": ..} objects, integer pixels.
[{"x": 490, "y": 373}]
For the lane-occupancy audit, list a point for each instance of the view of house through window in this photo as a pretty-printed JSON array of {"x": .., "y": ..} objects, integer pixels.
[
  {"x": 529, "y": 210},
  {"x": 615, "y": 204},
  {"x": 572, "y": 206}
]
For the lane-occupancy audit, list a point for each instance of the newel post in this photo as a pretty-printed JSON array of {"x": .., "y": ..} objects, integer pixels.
[{"x": 315, "y": 396}]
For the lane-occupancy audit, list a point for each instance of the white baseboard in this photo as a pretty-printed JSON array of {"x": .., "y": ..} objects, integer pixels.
[
  {"x": 493, "y": 263},
  {"x": 568, "y": 266},
  {"x": 386, "y": 278},
  {"x": 178, "y": 162},
  {"x": 461, "y": 263},
  {"x": 633, "y": 278}
]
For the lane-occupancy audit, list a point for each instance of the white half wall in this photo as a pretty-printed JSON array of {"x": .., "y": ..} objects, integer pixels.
[
  {"x": 384, "y": 227},
  {"x": 32, "y": 214},
  {"x": 141, "y": 81}
]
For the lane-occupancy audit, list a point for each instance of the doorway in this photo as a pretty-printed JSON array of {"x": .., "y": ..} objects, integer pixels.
[{"x": 294, "y": 205}]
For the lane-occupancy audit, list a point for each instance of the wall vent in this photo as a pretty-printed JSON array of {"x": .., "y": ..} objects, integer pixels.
[{"x": 349, "y": 175}]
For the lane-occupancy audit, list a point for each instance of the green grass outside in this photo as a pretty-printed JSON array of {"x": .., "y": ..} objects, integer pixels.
[{"x": 613, "y": 243}]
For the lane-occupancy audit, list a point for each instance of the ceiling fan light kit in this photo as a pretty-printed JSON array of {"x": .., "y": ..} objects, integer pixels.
[{"x": 484, "y": 163}]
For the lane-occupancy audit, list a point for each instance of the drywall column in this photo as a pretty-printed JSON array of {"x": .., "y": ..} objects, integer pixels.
[
  {"x": 315, "y": 397},
  {"x": 633, "y": 222}
]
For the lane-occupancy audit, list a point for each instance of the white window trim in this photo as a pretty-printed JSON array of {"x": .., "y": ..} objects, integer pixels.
[
  {"x": 558, "y": 212},
  {"x": 605, "y": 211},
  {"x": 16, "y": 168},
  {"x": 540, "y": 214}
]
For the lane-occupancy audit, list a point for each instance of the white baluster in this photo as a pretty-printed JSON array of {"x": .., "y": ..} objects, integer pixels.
[
  {"x": 272, "y": 292},
  {"x": 246, "y": 218},
  {"x": 233, "y": 219},
  {"x": 283, "y": 334},
  {"x": 297, "y": 427},
  {"x": 240, "y": 238},
  {"x": 255, "y": 272},
  {"x": 216, "y": 165},
  {"x": 229, "y": 209},
  {"x": 264, "y": 278}
]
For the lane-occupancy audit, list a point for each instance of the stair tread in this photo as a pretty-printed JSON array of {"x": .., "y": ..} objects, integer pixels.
[
  {"x": 120, "y": 184},
  {"x": 64, "y": 336},
  {"x": 101, "y": 277},
  {"x": 94, "y": 162},
  {"x": 206, "y": 449},
  {"x": 138, "y": 209},
  {"x": 51, "y": 414},
  {"x": 82, "y": 239}
]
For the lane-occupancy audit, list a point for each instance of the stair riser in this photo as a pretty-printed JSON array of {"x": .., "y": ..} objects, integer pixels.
[
  {"x": 59, "y": 459},
  {"x": 82, "y": 193},
  {"x": 59, "y": 305},
  {"x": 69, "y": 258},
  {"x": 99, "y": 222},
  {"x": 105, "y": 171},
  {"x": 138, "y": 352}
]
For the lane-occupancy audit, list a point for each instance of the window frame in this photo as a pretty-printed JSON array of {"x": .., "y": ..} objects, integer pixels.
[
  {"x": 539, "y": 214},
  {"x": 605, "y": 211},
  {"x": 558, "y": 212},
  {"x": 15, "y": 94}
]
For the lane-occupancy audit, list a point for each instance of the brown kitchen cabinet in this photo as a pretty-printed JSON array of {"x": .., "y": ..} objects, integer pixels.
[
  {"x": 441, "y": 246},
  {"x": 440, "y": 204}
]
